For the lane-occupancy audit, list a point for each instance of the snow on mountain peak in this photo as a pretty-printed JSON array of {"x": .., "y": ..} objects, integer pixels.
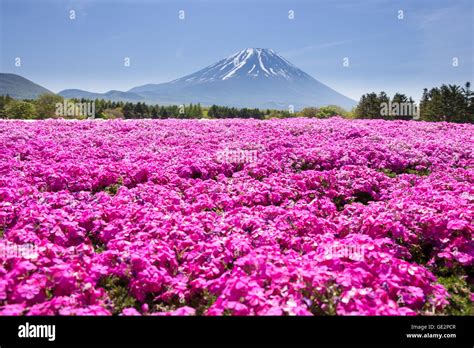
[{"x": 255, "y": 63}]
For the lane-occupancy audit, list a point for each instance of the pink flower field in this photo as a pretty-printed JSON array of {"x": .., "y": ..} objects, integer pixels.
[{"x": 236, "y": 217}]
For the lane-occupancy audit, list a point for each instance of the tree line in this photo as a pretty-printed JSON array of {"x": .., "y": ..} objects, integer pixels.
[
  {"x": 45, "y": 107},
  {"x": 142, "y": 110},
  {"x": 226, "y": 112},
  {"x": 451, "y": 103}
]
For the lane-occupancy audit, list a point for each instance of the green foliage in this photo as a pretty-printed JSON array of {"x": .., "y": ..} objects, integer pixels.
[
  {"x": 392, "y": 174},
  {"x": 323, "y": 302},
  {"x": 201, "y": 301},
  {"x": 111, "y": 114},
  {"x": 388, "y": 172},
  {"x": 17, "y": 109},
  {"x": 226, "y": 112},
  {"x": 459, "y": 291},
  {"x": 449, "y": 103},
  {"x": 46, "y": 105},
  {"x": 117, "y": 289},
  {"x": 96, "y": 242},
  {"x": 339, "y": 202},
  {"x": 368, "y": 107},
  {"x": 269, "y": 114},
  {"x": 323, "y": 112},
  {"x": 155, "y": 112},
  {"x": 140, "y": 110},
  {"x": 193, "y": 111},
  {"x": 4, "y": 101},
  {"x": 113, "y": 189},
  {"x": 371, "y": 105},
  {"x": 420, "y": 172},
  {"x": 309, "y": 112},
  {"x": 330, "y": 110}
]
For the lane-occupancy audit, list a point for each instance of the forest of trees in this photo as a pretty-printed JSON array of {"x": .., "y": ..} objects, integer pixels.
[
  {"x": 226, "y": 112},
  {"x": 44, "y": 107},
  {"x": 449, "y": 103},
  {"x": 142, "y": 110},
  {"x": 370, "y": 106}
]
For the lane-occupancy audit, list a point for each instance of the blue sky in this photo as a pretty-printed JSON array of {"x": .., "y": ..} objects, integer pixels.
[{"x": 385, "y": 53}]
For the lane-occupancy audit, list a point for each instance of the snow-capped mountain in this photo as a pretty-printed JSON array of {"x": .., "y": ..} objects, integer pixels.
[
  {"x": 251, "y": 63},
  {"x": 252, "y": 77}
]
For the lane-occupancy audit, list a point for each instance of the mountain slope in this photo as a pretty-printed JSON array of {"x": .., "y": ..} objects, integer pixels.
[
  {"x": 18, "y": 87},
  {"x": 110, "y": 95},
  {"x": 253, "y": 77},
  {"x": 251, "y": 63}
]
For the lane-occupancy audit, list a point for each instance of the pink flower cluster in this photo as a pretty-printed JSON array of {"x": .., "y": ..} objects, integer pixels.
[{"x": 330, "y": 216}]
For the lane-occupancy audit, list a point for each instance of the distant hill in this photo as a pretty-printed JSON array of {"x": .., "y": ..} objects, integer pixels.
[
  {"x": 253, "y": 77},
  {"x": 110, "y": 95},
  {"x": 18, "y": 87}
]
